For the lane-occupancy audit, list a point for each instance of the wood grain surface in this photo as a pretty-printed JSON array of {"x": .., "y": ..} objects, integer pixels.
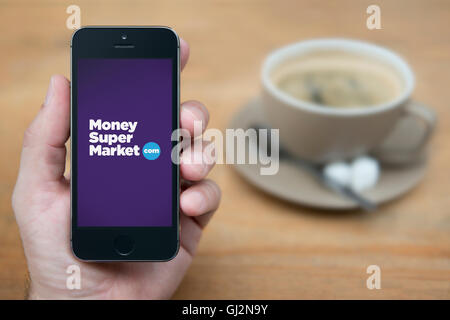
[{"x": 256, "y": 246}]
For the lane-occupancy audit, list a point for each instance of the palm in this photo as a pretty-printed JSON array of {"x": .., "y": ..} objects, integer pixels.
[{"x": 113, "y": 280}]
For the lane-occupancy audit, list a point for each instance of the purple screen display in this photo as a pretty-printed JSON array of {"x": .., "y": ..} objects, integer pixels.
[{"x": 119, "y": 185}]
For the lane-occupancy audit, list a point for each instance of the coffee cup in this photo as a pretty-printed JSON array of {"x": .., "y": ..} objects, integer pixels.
[{"x": 336, "y": 99}]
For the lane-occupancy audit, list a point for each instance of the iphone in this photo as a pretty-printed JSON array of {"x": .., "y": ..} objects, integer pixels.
[{"x": 124, "y": 109}]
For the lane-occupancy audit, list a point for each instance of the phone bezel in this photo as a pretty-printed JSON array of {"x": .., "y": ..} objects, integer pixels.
[{"x": 151, "y": 243}]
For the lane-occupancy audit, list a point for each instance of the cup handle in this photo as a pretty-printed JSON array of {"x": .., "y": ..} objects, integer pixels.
[{"x": 422, "y": 114}]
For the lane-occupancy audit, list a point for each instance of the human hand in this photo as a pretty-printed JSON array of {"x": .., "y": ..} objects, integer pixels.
[{"x": 41, "y": 203}]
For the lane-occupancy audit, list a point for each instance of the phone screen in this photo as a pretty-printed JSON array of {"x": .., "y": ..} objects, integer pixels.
[{"x": 124, "y": 124}]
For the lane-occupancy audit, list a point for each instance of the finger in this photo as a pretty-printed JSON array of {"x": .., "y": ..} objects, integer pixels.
[
  {"x": 51, "y": 126},
  {"x": 200, "y": 201},
  {"x": 184, "y": 48},
  {"x": 194, "y": 113},
  {"x": 197, "y": 160},
  {"x": 44, "y": 153}
]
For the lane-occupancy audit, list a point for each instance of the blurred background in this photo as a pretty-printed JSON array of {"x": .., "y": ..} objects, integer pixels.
[{"x": 257, "y": 246}]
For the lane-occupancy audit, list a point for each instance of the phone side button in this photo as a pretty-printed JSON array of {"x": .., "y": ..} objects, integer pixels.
[{"x": 124, "y": 245}]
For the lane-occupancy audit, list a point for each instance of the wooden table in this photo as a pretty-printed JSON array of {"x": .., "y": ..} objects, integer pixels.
[{"x": 257, "y": 246}]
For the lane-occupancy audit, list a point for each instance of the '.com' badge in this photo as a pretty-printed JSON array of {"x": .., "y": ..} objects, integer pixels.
[{"x": 151, "y": 151}]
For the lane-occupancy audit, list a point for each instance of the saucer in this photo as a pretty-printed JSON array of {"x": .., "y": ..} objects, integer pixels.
[{"x": 296, "y": 185}]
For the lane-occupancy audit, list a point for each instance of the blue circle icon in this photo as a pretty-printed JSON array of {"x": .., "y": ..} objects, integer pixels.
[{"x": 151, "y": 151}]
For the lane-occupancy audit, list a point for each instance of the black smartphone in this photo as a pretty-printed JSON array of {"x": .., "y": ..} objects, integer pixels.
[{"x": 124, "y": 109}]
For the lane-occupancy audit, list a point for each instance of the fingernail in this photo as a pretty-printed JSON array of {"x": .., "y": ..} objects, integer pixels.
[{"x": 50, "y": 92}]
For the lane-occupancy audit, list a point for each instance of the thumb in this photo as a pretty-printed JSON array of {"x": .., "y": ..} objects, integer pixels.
[{"x": 44, "y": 153}]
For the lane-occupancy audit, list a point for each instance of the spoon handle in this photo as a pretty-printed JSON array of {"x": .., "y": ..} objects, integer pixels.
[
  {"x": 362, "y": 202},
  {"x": 337, "y": 187}
]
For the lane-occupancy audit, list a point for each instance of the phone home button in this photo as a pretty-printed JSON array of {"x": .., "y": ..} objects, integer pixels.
[{"x": 124, "y": 245}]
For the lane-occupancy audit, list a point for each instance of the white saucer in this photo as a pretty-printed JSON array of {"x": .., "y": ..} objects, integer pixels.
[{"x": 296, "y": 185}]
